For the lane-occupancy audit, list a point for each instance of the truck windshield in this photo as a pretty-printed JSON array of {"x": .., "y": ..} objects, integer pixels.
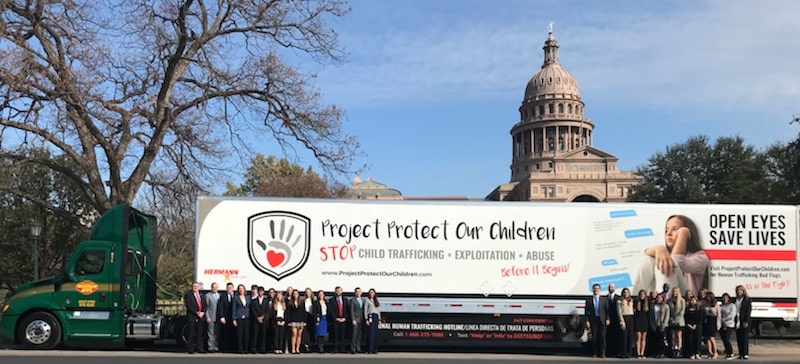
[{"x": 90, "y": 262}]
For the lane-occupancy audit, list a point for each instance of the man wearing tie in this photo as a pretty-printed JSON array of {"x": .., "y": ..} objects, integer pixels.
[
  {"x": 613, "y": 333},
  {"x": 357, "y": 317},
  {"x": 225, "y": 319},
  {"x": 195, "y": 318},
  {"x": 211, "y": 301},
  {"x": 596, "y": 312},
  {"x": 337, "y": 312}
]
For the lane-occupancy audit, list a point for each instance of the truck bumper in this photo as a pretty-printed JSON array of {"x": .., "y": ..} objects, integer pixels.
[
  {"x": 7, "y": 323},
  {"x": 4, "y": 341}
]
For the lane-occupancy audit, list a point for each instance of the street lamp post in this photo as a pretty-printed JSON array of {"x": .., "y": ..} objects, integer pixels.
[{"x": 36, "y": 232}]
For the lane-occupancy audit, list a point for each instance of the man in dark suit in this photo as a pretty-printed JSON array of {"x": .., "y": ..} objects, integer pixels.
[
  {"x": 357, "y": 319},
  {"x": 613, "y": 332},
  {"x": 337, "y": 313},
  {"x": 258, "y": 314},
  {"x": 253, "y": 322},
  {"x": 225, "y": 319},
  {"x": 596, "y": 312},
  {"x": 195, "y": 320}
]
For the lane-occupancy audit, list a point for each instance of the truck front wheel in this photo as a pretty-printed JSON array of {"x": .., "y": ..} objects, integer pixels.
[{"x": 39, "y": 330}]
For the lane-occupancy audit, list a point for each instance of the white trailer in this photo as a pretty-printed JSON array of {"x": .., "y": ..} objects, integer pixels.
[{"x": 486, "y": 272}]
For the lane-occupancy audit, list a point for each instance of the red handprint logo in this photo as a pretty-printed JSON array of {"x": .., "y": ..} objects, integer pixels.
[{"x": 282, "y": 244}]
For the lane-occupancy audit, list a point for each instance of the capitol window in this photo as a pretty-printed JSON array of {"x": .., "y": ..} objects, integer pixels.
[
  {"x": 560, "y": 108},
  {"x": 552, "y": 108}
]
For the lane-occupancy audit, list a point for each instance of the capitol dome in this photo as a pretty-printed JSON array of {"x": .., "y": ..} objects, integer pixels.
[
  {"x": 552, "y": 79},
  {"x": 552, "y": 157}
]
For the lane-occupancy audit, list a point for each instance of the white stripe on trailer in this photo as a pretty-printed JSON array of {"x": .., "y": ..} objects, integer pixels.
[
  {"x": 562, "y": 307},
  {"x": 772, "y": 310}
]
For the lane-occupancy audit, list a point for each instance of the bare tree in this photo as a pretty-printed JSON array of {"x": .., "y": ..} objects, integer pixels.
[
  {"x": 123, "y": 88},
  {"x": 175, "y": 208}
]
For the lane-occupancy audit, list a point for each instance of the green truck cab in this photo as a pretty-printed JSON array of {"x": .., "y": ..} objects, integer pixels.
[{"x": 105, "y": 294}]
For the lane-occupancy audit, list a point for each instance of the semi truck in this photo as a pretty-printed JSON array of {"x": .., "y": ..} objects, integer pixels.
[
  {"x": 104, "y": 295},
  {"x": 447, "y": 272}
]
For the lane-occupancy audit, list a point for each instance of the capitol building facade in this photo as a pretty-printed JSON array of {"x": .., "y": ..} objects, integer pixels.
[{"x": 552, "y": 157}]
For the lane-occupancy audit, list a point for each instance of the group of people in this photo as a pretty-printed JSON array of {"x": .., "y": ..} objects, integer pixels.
[
  {"x": 675, "y": 322},
  {"x": 272, "y": 321},
  {"x": 670, "y": 322}
]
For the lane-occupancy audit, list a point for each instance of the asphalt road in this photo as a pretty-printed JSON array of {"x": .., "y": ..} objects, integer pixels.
[{"x": 762, "y": 351}]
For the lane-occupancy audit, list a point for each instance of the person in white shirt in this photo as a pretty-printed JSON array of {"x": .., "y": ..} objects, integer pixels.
[
  {"x": 728, "y": 318},
  {"x": 308, "y": 333}
]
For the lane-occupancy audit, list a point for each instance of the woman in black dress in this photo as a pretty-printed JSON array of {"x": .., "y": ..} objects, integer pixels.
[
  {"x": 641, "y": 322},
  {"x": 694, "y": 328},
  {"x": 296, "y": 316},
  {"x": 711, "y": 322}
]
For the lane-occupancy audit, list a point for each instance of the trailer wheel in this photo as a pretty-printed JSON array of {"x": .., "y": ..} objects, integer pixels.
[
  {"x": 39, "y": 330},
  {"x": 181, "y": 332}
]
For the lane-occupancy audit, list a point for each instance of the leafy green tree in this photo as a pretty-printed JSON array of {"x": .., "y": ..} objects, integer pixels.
[
  {"x": 60, "y": 233},
  {"x": 270, "y": 176},
  {"x": 695, "y": 171},
  {"x": 783, "y": 170},
  {"x": 118, "y": 90},
  {"x": 737, "y": 173},
  {"x": 793, "y": 174},
  {"x": 676, "y": 175}
]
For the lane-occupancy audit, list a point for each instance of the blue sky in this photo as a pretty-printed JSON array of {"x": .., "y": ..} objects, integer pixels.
[{"x": 431, "y": 88}]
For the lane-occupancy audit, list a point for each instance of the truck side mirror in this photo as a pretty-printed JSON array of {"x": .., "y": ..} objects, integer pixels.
[{"x": 64, "y": 261}]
